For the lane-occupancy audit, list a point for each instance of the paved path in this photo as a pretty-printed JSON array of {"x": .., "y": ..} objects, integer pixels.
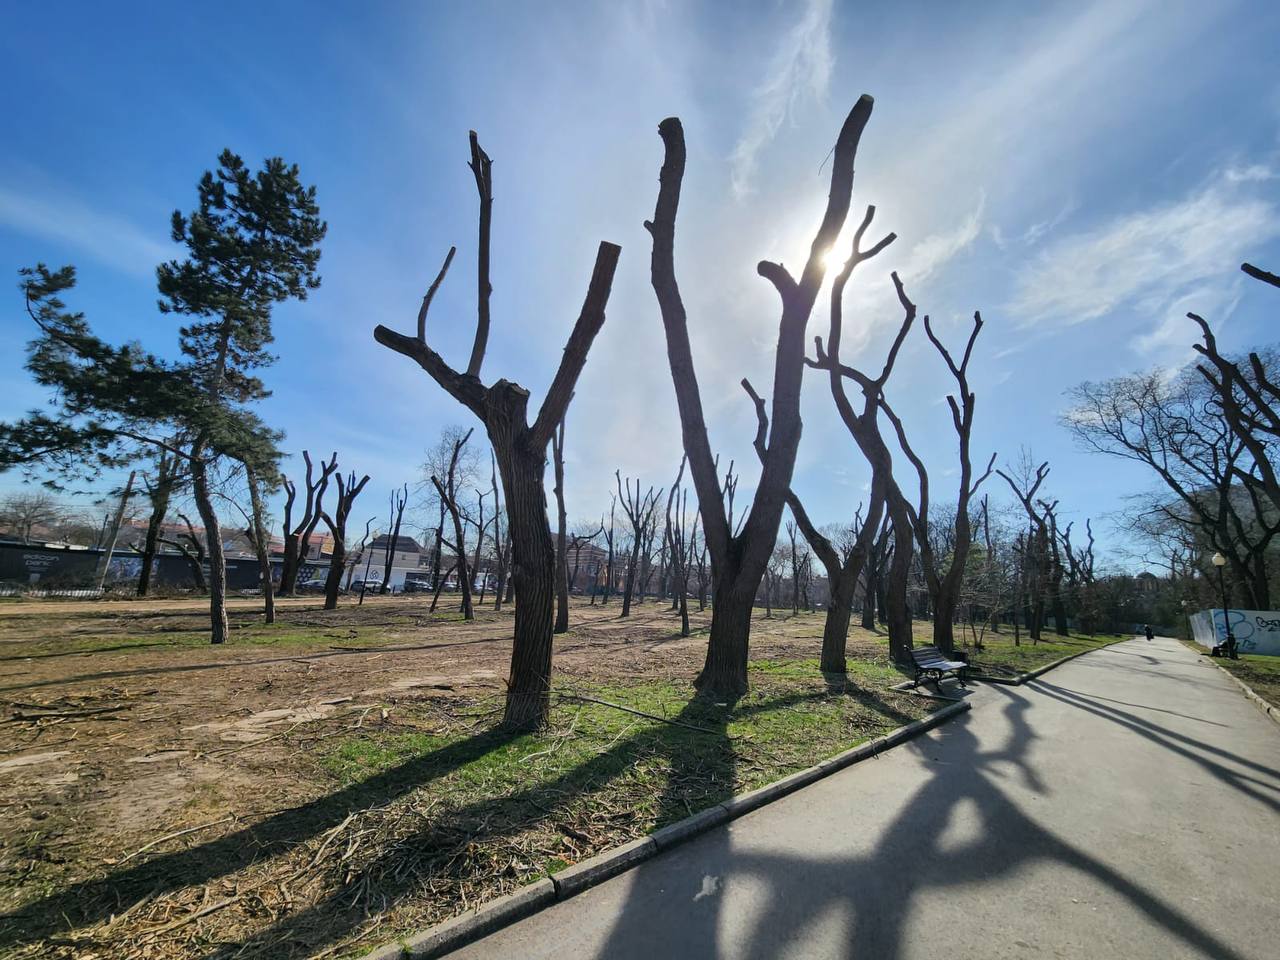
[{"x": 1126, "y": 805}]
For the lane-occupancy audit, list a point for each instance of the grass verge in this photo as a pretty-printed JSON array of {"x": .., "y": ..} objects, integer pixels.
[
  {"x": 425, "y": 811},
  {"x": 1000, "y": 656}
]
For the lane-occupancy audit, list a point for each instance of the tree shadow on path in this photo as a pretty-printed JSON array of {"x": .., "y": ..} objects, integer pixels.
[{"x": 873, "y": 893}]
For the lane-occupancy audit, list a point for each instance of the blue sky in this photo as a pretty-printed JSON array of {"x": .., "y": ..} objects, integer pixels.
[{"x": 1082, "y": 173}]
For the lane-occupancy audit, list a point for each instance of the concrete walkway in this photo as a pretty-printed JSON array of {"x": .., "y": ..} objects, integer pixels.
[{"x": 1126, "y": 805}]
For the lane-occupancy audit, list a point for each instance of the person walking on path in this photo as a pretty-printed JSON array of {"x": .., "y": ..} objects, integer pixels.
[{"x": 1147, "y": 630}]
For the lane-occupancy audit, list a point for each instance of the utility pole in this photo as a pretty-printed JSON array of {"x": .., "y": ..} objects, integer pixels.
[{"x": 104, "y": 562}]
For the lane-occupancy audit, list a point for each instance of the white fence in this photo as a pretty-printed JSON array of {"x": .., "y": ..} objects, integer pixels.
[{"x": 1256, "y": 631}]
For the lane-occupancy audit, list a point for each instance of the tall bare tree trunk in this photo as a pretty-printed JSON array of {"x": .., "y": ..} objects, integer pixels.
[
  {"x": 218, "y": 627},
  {"x": 520, "y": 449},
  {"x": 562, "y": 533},
  {"x": 261, "y": 545},
  {"x": 739, "y": 559}
]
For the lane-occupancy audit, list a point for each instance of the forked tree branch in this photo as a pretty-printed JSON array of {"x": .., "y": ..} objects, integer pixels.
[{"x": 589, "y": 322}]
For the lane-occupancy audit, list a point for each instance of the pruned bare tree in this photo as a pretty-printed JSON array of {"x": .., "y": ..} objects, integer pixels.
[
  {"x": 337, "y": 524},
  {"x": 297, "y": 538},
  {"x": 399, "y": 498},
  {"x": 160, "y": 489},
  {"x": 1025, "y": 482},
  {"x": 584, "y": 535},
  {"x": 944, "y": 574},
  {"x": 481, "y": 526},
  {"x": 609, "y": 538},
  {"x": 739, "y": 559},
  {"x": 893, "y": 576},
  {"x": 448, "y": 493},
  {"x": 520, "y": 448},
  {"x": 639, "y": 510}
]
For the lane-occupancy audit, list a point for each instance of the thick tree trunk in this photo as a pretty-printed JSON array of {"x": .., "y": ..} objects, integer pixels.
[
  {"x": 724, "y": 673},
  {"x": 289, "y": 563},
  {"x": 333, "y": 582},
  {"x": 944, "y": 617},
  {"x": 159, "y": 507},
  {"x": 629, "y": 589},
  {"x": 896, "y": 599},
  {"x": 835, "y": 631},
  {"x": 533, "y": 558},
  {"x": 218, "y": 627}
]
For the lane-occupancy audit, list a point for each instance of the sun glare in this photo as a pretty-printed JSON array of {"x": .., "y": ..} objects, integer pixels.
[{"x": 834, "y": 260}]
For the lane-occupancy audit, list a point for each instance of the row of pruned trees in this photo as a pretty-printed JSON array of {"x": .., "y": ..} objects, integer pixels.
[{"x": 739, "y": 551}]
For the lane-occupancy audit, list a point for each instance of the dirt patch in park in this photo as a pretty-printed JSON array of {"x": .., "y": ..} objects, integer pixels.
[{"x": 123, "y": 735}]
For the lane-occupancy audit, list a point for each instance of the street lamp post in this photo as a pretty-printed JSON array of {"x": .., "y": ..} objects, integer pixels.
[{"x": 1220, "y": 561}]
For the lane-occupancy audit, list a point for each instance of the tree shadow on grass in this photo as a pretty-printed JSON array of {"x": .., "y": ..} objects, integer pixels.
[
  {"x": 702, "y": 772},
  {"x": 676, "y": 907},
  {"x": 702, "y": 767}
]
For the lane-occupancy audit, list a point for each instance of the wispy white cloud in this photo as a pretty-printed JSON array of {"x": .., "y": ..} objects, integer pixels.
[
  {"x": 105, "y": 237},
  {"x": 801, "y": 67},
  {"x": 1254, "y": 173},
  {"x": 935, "y": 251},
  {"x": 1147, "y": 261}
]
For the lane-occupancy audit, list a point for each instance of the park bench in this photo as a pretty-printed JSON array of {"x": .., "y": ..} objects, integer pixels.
[{"x": 931, "y": 666}]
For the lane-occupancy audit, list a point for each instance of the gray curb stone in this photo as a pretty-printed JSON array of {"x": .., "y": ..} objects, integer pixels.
[
  {"x": 474, "y": 924},
  {"x": 609, "y": 863},
  {"x": 1262, "y": 704},
  {"x": 470, "y": 926},
  {"x": 682, "y": 830}
]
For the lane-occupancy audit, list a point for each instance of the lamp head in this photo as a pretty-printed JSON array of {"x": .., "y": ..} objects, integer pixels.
[{"x": 1218, "y": 560}]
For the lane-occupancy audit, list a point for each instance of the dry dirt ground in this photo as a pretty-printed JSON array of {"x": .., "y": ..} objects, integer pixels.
[{"x": 125, "y": 736}]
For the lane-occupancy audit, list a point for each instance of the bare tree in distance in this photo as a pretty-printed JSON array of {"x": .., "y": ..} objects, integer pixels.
[
  {"x": 297, "y": 540},
  {"x": 639, "y": 510},
  {"x": 1035, "y": 552},
  {"x": 739, "y": 560},
  {"x": 609, "y": 536},
  {"x": 584, "y": 535},
  {"x": 337, "y": 524},
  {"x": 399, "y": 498},
  {"x": 520, "y": 448},
  {"x": 448, "y": 493},
  {"x": 1176, "y": 427},
  {"x": 160, "y": 489},
  {"x": 23, "y": 512}
]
